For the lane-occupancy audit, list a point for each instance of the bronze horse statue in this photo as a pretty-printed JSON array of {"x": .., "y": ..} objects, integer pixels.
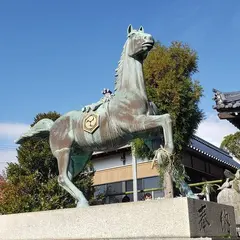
[{"x": 125, "y": 116}]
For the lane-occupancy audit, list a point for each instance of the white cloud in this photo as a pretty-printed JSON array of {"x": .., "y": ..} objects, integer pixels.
[
  {"x": 213, "y": 130},
  {"x": 12, "y": 130},
  {"x": 7, "y": 156},
  {"x": 8, "y": 133}
]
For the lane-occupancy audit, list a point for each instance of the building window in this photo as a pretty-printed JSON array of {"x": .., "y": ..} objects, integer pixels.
[
  {"x": 114, "y": 192},
  {"x": 115, "y": 188},
  {"x": 152, "y": 182},
  {"x": 129, "y": 185},
  {"x": 100, "y": 190}
]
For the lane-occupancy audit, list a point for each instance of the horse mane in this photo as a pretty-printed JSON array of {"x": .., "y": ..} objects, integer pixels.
[{"x": 119, "y": 69}]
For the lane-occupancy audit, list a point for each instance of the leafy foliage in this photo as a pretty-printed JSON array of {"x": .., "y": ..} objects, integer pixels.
[
  {"x": 208, "y": 188},
  {"x": 32, "y": 182},
  {"x": 231, "y": 143},
  {"x": 2, "y": 183},
  {"x": 168, "y": 73},
  {"x": 142, "y": 149}
]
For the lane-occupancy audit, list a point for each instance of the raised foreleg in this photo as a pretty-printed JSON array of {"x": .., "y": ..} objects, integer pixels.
[
  {"x": 144, "y": 123},
  {"x": 148, "y": 124}
]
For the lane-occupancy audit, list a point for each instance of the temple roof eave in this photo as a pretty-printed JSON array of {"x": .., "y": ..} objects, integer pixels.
[
  {"x": 226, "y": 100},
  {"x": 228, "y": 106}
]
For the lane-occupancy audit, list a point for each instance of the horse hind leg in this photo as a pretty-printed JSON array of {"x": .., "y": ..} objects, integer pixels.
[
  {"x": 63, "y": 158},
  {"x": 61, "y": 141}
]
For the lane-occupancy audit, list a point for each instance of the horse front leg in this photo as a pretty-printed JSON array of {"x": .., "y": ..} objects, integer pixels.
[
  {"x": 154, "y": 122},
  {"x": 149, "y": 123}
]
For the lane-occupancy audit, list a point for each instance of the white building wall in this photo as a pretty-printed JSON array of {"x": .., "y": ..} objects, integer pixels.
[{"x": 112, "y": 161}]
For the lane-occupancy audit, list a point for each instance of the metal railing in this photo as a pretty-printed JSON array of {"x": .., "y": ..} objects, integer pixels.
[{"x": 206, "y": 183}]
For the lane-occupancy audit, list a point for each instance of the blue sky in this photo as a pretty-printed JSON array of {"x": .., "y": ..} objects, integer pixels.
[{"x": 59, "y": 55}]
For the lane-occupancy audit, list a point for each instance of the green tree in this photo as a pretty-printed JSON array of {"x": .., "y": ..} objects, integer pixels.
[
  {"x": 2, "y": 182},
  {"x": 32, "y": 182},
  {"x": 168, "y": 73},
  {"x": 231, "y": 143}
]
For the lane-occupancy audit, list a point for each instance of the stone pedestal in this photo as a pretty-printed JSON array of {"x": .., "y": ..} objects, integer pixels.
[{"x": 157, "y": 219}]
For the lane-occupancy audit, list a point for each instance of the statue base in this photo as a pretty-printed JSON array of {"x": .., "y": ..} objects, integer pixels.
[{"x": 177, "y": 218}]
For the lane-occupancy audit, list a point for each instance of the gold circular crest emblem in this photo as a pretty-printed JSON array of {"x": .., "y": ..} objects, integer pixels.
[{"x": 91, "y": 122}]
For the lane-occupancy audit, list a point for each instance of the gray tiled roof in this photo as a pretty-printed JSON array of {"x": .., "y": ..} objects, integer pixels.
[
  {"x": 226, "y": 100},
  {"x": 213, "y": 152}
]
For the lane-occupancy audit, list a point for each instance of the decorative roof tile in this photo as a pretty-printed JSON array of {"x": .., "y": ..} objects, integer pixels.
[{"x": 226, "y": 100}]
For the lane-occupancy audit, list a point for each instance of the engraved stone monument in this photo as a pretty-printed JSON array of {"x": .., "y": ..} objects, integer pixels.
[{"x": 175, "y": 219}]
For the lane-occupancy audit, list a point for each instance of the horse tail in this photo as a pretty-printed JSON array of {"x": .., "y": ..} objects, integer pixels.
[{"x": 40, "y": 130}]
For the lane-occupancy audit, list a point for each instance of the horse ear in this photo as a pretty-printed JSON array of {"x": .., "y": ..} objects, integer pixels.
[
  {"x": 130, "y": 28},
  {"x": 141, "y": 29}
]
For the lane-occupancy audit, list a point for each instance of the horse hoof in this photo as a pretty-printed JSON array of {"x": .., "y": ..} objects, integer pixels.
[{"x": 82, "y": 204}]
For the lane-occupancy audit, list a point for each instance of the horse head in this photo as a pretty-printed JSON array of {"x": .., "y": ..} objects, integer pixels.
[{"x": 139, "y": 43}]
